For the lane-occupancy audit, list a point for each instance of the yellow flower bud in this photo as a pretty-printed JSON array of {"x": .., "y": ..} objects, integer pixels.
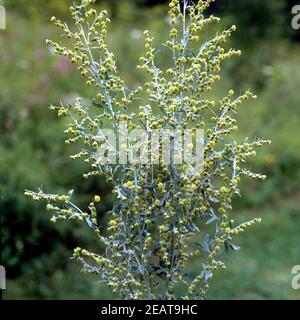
[
  {"x": 157, "y": 202},
  {"x": 97, "y": 198}
]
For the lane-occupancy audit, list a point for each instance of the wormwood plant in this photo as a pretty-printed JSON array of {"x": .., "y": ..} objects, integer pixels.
[{"x": 162, "y": 218}]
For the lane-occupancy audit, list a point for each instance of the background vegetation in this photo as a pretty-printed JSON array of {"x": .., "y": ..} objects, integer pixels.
[{"x": 32, "y": 151}]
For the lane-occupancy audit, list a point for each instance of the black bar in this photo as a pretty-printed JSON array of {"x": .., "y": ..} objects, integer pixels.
[{"x": 119, "y": 310}]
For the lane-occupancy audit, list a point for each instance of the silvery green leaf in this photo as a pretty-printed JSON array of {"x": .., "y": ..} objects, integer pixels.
[
  {"x": 229, "y": 245},
  {"x": 70, "y": 193},
  {"x": 89, "y": 222},
  {"x": 213, "y": 199},
  {"x": 128, "y": 251},
  {"x": 204, "y": 246},
  {"x": 210, "y": 220}
]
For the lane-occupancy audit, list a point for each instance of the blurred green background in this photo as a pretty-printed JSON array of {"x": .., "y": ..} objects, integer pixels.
[{"x": 32, "y": 151}]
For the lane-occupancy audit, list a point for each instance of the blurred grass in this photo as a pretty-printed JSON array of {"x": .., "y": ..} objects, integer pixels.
[{"x": 32, "y": 153}]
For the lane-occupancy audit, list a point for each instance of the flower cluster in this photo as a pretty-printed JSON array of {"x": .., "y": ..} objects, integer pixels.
[{"x": 162, "y": 218}]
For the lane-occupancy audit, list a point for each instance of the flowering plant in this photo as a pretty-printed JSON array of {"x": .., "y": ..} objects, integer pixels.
[{"x": 165, "y": 214}]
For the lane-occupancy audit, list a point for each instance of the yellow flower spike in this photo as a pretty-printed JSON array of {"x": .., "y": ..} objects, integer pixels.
[
  {"x": 227, "y": 230},
  {"x": 197, "y": 252},
  {"x": 129, "y": 184},
  {"x": 63, "y": 198},
  {"x": 160, "y": 185},
  {"x": 221, "y": 210},
  {"x": 97, "y": 198},
  {"x": 157, "y": 202},
  {"x": 212, "y": 144},
  {"x": 112, "y": 222},
  {"x": 203, "y": 208},
  {"x": 53, "y": 220},
  {"x": 223, "y": 189},
  {"x": 95, "y": 145},
  {"x": 161, "y": 228}
]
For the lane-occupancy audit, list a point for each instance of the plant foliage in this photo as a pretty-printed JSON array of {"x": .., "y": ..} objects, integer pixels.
[{"x": 161, "y": 218}]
